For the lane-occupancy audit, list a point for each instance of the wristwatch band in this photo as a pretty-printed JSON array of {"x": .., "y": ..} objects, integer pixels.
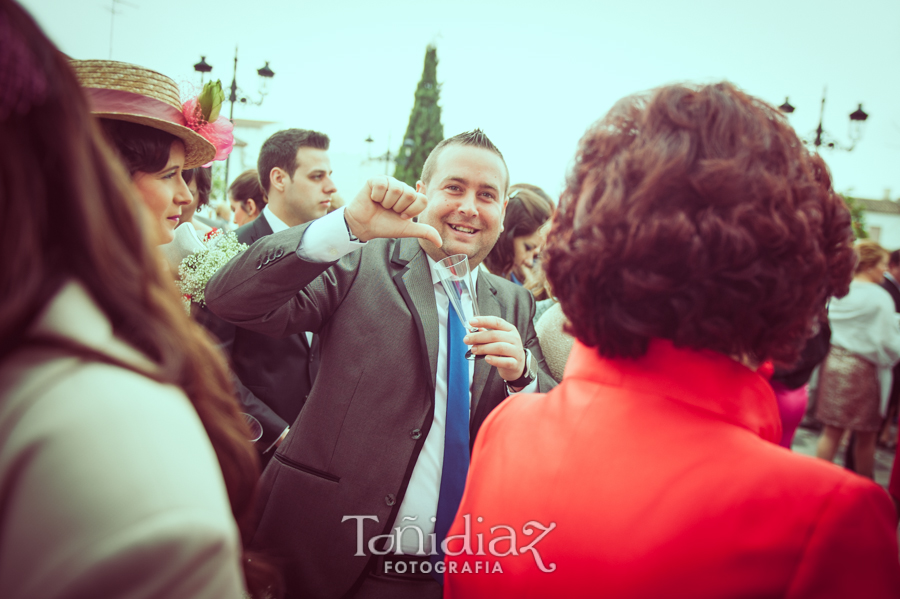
[
  {"x": 528, "y": 376},
  {"x": 349, "y": 232}
]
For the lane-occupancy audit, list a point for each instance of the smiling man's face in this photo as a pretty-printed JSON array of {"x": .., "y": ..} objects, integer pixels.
[{"x": 466, "y": 202}]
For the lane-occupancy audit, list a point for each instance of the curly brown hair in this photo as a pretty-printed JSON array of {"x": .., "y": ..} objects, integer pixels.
[{"x": 694, "y": 213}]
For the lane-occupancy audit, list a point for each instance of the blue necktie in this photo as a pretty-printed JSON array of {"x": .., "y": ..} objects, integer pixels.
[{"x": 456, "y": 435}]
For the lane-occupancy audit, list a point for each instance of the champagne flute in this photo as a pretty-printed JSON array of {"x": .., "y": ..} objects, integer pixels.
[
  {"x": 455, "y": 276},
  {"x": 256, "y": 429}
]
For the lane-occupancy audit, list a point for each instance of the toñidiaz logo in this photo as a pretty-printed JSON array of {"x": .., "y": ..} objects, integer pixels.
[{"x": 503, "y": 541}]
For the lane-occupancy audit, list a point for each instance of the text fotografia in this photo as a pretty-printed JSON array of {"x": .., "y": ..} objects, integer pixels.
[
  {"x": 504, "y": 541},
  {"x": 425, "y": 567}
]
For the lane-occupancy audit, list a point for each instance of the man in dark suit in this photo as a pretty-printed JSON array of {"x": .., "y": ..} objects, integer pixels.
[
  {"x": 275, "y": 374},
  {"x": 377, "y": 458}
]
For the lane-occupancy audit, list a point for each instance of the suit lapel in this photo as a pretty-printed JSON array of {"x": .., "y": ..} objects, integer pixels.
[
  {"x": 487, "y": 306},
  {"x": 260, "y": 228},
  {"x": 414, "y": 284}
]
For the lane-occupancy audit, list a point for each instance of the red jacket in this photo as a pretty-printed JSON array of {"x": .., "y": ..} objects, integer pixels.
[{"x": 662, "y": 477}]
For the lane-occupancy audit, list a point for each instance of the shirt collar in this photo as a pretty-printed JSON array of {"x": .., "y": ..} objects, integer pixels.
[
  {"x": 702, "y": 379},
  {"x": 276, "y": 223}
]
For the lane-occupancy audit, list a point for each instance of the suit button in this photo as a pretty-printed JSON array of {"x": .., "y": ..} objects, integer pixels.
[
  {"x": 279, "y": 252},
  {"x": 415, "y": 433},
  {"x": 390, "y": 499}
]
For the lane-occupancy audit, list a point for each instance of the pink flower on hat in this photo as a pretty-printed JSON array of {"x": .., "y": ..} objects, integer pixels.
[{"x": 202, "y": 115}]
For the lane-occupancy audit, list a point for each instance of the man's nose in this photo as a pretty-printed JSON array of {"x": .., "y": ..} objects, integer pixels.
[
  {"x": 329, "y": 186},
  {"x": 467, "y": 204}
]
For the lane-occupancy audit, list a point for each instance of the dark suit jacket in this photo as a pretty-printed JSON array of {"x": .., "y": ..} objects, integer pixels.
[
  {"x": 274, "y": 374},
  {"x": 894, "y": 290},
  {"x": 354, "y": 446}
]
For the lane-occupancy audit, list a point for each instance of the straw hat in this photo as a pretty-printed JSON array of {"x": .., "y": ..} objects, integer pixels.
[{"x": 127, "y": 92}]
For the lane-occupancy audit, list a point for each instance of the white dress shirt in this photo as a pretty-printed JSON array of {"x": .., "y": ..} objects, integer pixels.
[
  {"x": 275, "y": 223},
  {"x": 326, "y": 240}
]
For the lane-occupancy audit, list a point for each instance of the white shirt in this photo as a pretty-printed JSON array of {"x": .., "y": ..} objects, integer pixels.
[
  {"x": 864, "y": 322},
  {"x": 276, "y": 223},
  {"x": 326, "y": 240}
]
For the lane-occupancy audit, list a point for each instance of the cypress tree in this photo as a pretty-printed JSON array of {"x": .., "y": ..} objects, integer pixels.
[{"x": 424, "y": 128}]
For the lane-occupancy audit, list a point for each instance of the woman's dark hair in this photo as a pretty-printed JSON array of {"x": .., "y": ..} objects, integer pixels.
[
  {"x": 204, "y": 182},
  {"x": 528, "y": 209},
  {"x": 140, "y": 147},
  {"x": 695, "y": 214},
  {"x": 81, "y": 222},
  {"x": 246, "y": 187}
]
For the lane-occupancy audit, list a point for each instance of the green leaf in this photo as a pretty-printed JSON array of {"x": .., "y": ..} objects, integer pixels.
[{"x": 210, "y": 100}]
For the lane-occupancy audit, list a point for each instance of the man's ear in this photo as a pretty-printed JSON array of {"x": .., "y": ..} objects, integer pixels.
[
  {"x": 276, "y": 178},
  {"x": 420, "y": 187},
  {"x": 503, "y": 214}
]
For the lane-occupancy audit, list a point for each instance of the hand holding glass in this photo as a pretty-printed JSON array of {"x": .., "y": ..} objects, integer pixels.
[{"x": 456, "y": 278}]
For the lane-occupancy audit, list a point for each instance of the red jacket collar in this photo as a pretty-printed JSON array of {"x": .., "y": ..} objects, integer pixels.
[{"x": 704, "y": 379}]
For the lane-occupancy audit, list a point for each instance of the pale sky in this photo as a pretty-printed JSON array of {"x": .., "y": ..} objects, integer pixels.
[{"x": 533, "y": 75}]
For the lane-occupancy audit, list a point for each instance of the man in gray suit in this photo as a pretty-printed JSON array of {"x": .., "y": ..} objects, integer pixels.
[{"x": 374, "y": 465}]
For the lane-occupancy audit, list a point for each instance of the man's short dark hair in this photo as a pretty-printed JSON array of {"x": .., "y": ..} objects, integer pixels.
[
  {"x": 476, "y": 139},
  {"x": 280, "y": 151}
]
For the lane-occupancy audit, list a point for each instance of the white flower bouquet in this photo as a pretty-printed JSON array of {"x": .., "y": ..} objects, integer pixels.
[{"x": 201, "y": 259}]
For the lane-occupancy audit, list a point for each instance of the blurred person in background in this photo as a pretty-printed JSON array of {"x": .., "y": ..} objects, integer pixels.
[
  {"x": 336, "y": 202},
  {"x": 855, "y": 379},
  {"x": 246, "y": 197},
  {"x": 697, "y": 239},
  {"x": 790, "y": 382},
  {"x": 199, "y": 181},
  {"x": 891, "y": 284},
  {"x": 223, "y": 215},
  {"x": 521, "y": 237},
  {"x": 123, "y": 466}
]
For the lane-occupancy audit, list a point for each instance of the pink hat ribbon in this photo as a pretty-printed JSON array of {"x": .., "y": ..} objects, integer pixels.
[{"x": 116, "y": 101}]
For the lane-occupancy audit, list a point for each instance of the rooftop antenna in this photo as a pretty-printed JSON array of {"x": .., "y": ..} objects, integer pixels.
[{"x": 112, "y": 20}]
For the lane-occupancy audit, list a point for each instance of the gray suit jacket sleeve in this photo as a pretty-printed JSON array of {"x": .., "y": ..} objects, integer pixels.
[{"x": 269, "y": 289}]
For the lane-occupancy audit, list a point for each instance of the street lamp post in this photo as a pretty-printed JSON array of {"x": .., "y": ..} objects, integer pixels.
[
  {"x": 857, "y": 121},
  {"x": 265, "y": 73},
  {"x": 387, "y": 157}
]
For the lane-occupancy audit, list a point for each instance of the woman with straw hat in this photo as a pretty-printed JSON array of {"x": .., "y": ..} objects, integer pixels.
[
  {"x": 156, "y": 135},
  {"x": 124, "y": 470}
]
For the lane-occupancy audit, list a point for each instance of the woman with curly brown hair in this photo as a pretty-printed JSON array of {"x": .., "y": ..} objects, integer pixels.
[
  {"x": 855, "y": 380},
  {"x": 124, "y": 465},
  {"x": 696, "y": 239}
]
